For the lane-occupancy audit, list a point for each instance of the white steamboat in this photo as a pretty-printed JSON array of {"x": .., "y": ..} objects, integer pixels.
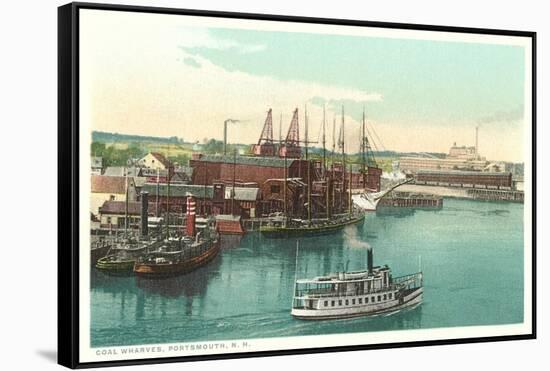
[{"x": 358, "y": 293}]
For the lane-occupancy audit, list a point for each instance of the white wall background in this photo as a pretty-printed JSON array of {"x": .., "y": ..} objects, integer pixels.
[{"x": 28, "y": 84}]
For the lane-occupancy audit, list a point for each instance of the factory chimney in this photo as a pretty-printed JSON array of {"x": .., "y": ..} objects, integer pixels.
[
  {"x": 190, "y": 226},
  {"x": 144, "y": 214},
  {"x": 477, "y": 151},
  {"x": 369, "y": 260}
]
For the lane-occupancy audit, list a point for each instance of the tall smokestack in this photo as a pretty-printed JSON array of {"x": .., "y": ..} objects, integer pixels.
[
  {"x": 369, "y": 260},
  {"x": 477, "y": 153},
  {"x": 190, "y": 226},
  {"x": 144, "y": 213}
]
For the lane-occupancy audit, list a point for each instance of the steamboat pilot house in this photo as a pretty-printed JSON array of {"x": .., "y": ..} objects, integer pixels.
[{"x": 358, "y": 293}]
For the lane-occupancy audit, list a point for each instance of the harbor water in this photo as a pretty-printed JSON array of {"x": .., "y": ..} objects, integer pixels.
[{"x": 471, "y": 255}]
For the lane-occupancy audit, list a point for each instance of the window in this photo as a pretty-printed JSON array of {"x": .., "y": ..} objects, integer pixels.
[
  {"x": 108, "y": 220},
  {"x": 389, "y": 295},
  {"x": 275, "y": 188},
  {"x": 347, "y": 302},
  {"x": 385, "y": 297},
  {"x": 339, "y": 302},
  {"x": 332, "y": 303},
  {"x": 379, "y": 298},
  {"x": 366, "y": 300},
  {"x": 360, "y": 300},
  {"x": 352, "y": 301},
  {"x": 326, "y": 303}
]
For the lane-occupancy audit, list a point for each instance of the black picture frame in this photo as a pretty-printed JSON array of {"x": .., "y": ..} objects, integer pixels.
[{"x": 69, "y": 191}]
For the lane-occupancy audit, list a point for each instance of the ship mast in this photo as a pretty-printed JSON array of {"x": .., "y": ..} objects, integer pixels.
[
  {"x": 281, "y": 129},
  {"x": 308, "y": 168},
  {"x": 158, "y": 191},
  {"x": 363, "y": 150},
  {"x": 126, "y": 207},
  {"x": 332, "y": 157},
  {"x": 349, "y": 192},
  {"x": 325, "y": 175},
  {"x": 204, "y": 188},
  {"x": 233, "y": 187},
  {"x": 343, "y": 155},
  {"x": 168, "y": 205},
  {"x": 284, "y": 194},
  {"x": 324, "y": 146}
]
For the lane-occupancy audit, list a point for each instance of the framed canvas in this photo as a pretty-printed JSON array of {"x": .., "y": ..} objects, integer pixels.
[{"x": 240, "y": 185}]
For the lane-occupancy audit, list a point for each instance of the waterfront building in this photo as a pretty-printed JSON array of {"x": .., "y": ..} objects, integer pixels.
[
  {"x": 415, "y": 164},
  {"x": 470, "y": 179},
  {"x": 110, "y": 188},
  {"x": 112, "y": 215}
]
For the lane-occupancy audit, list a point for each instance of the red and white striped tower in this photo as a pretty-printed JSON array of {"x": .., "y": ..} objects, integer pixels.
[{"x": 191, "y": 206}]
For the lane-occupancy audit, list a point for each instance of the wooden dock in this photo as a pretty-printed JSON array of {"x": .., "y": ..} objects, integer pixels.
[{"x": 412, "y": 200}]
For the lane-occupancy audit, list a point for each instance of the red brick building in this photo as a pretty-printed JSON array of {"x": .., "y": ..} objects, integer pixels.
[
  {"x": 469, "y": 179},
  {"x": 207, "y": 169}
]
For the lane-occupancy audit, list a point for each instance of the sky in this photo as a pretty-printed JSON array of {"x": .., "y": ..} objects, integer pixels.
[{"x": 168, "y": 75}]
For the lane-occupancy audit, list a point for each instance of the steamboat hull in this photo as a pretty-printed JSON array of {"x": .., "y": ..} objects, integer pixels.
[
  {"x": 410, "y": 299},
  {"x": 98, "y": 253},
  {"x": 283, "y": 232},
  {"x": 165, "y": 270},
  {"x": 120, "y": 267}
]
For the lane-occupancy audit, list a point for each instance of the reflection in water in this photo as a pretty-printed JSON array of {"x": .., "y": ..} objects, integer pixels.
[
  {"x": 192, "y": 284},
  {"x": 246, "y": 292},
  {"x": 229, "y": 241}
]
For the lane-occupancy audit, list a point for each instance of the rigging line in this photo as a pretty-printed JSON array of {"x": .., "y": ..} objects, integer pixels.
[
  {"x": 319, "y": 133},
  {"x": 373, "y": 142},
  {"x": 376, "y": 134}
]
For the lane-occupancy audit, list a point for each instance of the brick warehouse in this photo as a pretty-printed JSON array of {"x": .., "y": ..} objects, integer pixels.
[
  {"x": 208, "y": 169},
  {"x": 470, "y": 179},
  {"x": 210, "y": 200},
  {"x": 267, "y": 174}
]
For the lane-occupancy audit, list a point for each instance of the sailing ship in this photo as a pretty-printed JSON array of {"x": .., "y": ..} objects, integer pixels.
[
  {"x": 181, "y": 255},
  {"x": 332, "y": 222},
  {"x": 356, "y": 293}
]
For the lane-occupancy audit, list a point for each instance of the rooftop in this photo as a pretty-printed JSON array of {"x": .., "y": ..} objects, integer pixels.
[
  {"x": 119, "y": 207},
  {"x": 462, "y": 172},
  {"x": 160, "y": 158},
  {"x": 179, "y": 190},
  {"x": 247, "y": 160},
  {"x": 109, "y": 184}
]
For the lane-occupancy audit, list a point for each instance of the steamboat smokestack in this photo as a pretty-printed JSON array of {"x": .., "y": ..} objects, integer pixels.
[
  {"x": 190, "y": 226},
  {"x": 144, "y": 213},
  {"x": 369, "y": 260}
]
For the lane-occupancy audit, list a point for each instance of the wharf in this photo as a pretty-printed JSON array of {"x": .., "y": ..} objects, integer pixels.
[
  {"x": 463, "y": 193},
  {"x": 411, "y": 199}
]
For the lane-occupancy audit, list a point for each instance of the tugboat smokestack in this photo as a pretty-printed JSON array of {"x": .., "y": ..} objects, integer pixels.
[
  {"x": 190, "y": 226},
  {"x": 369, "y": 260},
  {"x": 144, "y": 213}
]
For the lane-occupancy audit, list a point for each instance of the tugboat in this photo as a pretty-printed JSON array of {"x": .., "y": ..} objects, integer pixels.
[
  {"x": 179, "y": 256},
  {"x": 360, "y": 293},
  {"x": 122, "y": 255},
  {"x": 98, "y": 250}
]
